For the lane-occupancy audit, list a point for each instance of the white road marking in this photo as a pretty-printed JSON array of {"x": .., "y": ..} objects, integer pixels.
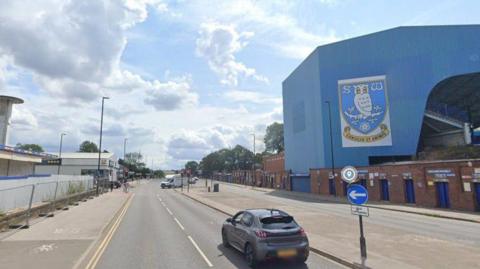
[
  {"x": 200, "y": 251},
  {"x": 169, "y": 212},
  {"x": 179, "y": 224}
]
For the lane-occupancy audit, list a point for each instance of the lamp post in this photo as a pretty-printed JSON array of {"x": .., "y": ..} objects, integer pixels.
[
  {"x": 60, "y": 152},
  {"x": 100, "y": 144},
  {"x": 331, "y": 143},
  {"x": 124, "y": 148},
  {"x": 253, "y": 164}
]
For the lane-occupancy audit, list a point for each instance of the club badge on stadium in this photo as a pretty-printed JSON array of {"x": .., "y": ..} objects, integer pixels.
[{"x": 364, "y": 113}]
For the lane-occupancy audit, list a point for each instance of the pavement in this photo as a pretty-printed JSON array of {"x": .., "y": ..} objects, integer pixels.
[
  {"x": 394, "y": 239},
  {"x": 62, "y": 241},
  {"x": 432, "y": 212},
  {"x": 165, "y": 229}
]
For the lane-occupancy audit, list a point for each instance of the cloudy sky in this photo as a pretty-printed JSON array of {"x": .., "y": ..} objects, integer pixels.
[{"x": 184, "y": 77}]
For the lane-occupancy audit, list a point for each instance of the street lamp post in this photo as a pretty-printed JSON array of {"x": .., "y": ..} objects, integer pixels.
[
  {"x": 124, "y": 148},
  {"x": 60, "y": 152},
  {"x": 331, "y": 142},
  {"x": 253, "y": 164},
  {"x": 100, "y": 144}
]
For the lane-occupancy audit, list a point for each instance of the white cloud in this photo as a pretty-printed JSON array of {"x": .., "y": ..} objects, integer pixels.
[
  {"x": 273, "y": 22},
  {"x": 252, "y": 97},
  {"x": 218, "y": 44},
  {"x": 171, "y": 95},
  {"x": 23, "y": 119}
]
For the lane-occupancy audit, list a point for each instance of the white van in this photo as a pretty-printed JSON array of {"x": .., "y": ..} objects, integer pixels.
[{"x": 177, "y": 181}]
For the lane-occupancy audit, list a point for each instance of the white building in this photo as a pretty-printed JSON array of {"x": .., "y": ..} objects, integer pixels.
[
  {"x": 15, "y": 162},
  {"x": 80, "y": 163}
]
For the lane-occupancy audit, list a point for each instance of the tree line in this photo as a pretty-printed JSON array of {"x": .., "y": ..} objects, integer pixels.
[{"x": 239, "y": 157}]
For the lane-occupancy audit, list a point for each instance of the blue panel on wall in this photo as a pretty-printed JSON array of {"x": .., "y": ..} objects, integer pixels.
[
  {"x": 301, "y": 183},
  {"x": 412, "y": 59}
]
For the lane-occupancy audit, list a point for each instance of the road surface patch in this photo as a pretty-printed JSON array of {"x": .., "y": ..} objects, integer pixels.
[
  {"x": 98, "y": 253},
  {"x": 200, "y": 251},
  {"x": 179, "y": 224}
]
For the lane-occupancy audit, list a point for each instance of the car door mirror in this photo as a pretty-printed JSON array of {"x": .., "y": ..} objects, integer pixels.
[{"x": 229, "y": 220}]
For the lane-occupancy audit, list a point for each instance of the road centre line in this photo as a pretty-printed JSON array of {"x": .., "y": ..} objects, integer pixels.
[
  {"x": 179, "y": 224},
  {"x": 169, "y": 212},
  {"x": 200, "y": 251}
]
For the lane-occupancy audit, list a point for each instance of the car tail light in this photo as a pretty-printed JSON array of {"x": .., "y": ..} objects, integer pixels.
[
  {"x": 302, "y": 232},
  {"x": 261, "y": 234}
]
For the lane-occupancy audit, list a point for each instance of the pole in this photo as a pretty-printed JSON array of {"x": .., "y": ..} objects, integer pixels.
[
  {"x": 60, "y": 152},
  {"x": 124, "y": 148},
  {"x": 363, "y": 245},
  {"x": 253, "y": 164},
  {"x": 54, "y": 199},
  {"x": 29, "y": 212},
  {"x": 100, "y": 144},
  {"x": 331, "y": 143}
]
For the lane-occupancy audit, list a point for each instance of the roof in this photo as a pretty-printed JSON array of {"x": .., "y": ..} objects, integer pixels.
[
  {"x": 14, "y": 100},
  {"x": 263, "y": 212},
  {"x": 86, "y": 155}
]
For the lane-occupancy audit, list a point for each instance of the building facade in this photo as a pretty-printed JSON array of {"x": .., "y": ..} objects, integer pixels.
[
  {"x": 81, "y": 163},
  {"x": 382, "y": 97}
]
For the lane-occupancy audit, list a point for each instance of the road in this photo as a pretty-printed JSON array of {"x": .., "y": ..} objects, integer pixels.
[{"x": 164, "y": 229}]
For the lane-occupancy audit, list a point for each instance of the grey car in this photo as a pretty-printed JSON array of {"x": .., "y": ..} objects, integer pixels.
[{"x": 264, "y": 234}]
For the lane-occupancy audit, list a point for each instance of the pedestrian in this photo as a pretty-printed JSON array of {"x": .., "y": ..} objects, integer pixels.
[{"x": 111, "y": 186}]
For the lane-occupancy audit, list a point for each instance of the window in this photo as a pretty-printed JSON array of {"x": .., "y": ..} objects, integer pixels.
[
  {"x": 238, "y": 217},
  {"x": 278, "y": 222},
  {"x": 247, "y": 219}
]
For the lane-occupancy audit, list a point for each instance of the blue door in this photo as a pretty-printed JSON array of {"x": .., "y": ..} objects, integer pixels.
[
  {"x": 331, "y": 186},
  {"x": 443, "y": 200},
  {"x": 384, "y": 193},
  {"x": 301, "y": 183},
  {"x": 409, "y": 191},
  {"x": 476, "y": 186},
  {"x": 345, "y": 187},
  {"x": 363, "y": 182}
]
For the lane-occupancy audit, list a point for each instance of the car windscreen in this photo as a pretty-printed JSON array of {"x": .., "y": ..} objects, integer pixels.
[{"x": 278, "y": 222}]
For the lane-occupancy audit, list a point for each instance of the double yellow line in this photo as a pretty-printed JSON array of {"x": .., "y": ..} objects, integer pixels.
[{"x": 98, "y": 253}]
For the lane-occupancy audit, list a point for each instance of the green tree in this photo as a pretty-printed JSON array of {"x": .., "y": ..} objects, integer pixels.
[
  {"x": 193, "y": 166},
  {"x": 30, "y": 147},
  {"x": 227, "y": 160},
  {"x": 274, "y": 138},
  {"x": 88, "y": 146},
  {"x": 159, "y": 173}
]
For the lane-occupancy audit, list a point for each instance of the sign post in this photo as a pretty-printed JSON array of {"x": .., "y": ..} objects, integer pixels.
[{"x": 357, "y": 195}]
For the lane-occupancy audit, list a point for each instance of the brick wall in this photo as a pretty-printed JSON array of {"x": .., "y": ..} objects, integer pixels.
[{"x": 425, "y": 176}]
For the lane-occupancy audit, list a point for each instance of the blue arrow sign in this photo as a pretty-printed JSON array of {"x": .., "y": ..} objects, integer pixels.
[{"x": 357, "y": 194}]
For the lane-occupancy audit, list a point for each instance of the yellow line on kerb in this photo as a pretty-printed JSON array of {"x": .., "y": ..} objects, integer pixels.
[{"x": 98, "y": 253}]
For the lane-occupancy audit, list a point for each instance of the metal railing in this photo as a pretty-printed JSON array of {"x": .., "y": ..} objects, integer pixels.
[{"x": 17, "y": 202}]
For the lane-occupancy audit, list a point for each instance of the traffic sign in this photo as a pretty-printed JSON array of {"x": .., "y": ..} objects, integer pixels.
[
  {"x": 349, "y": 174},
  {"x": 359, "y": 210},
  {"x": 357, "y": 194}
]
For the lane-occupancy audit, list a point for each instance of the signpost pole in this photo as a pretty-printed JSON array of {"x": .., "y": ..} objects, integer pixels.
[{"x": 363, "y": 244}]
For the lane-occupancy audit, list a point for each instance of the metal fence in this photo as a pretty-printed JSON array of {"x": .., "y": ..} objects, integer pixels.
[{"x": 23, "y": 195}]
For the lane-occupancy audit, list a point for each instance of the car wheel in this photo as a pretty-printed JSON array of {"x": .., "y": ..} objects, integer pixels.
[
  {"x": 225, "y": 239},
  {"x": 250, "y": 256}
]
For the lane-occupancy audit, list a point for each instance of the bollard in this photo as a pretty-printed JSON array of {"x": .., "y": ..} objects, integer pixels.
[{"x": 29, "y": 212}]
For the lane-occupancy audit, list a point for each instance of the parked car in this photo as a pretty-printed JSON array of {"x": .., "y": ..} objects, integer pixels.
[
  {"x": 115, "y": 184},
  {"x": 264, "y": 234},
  {"x": 167, "y": 183},
  {"x": 193, "y": 180}
]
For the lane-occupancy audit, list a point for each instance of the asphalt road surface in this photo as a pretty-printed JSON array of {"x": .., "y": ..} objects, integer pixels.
[{"x": 164, "y": 229}]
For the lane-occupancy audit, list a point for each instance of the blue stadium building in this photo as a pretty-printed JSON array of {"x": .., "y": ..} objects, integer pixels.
[{"x": 383, "y": 97}]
